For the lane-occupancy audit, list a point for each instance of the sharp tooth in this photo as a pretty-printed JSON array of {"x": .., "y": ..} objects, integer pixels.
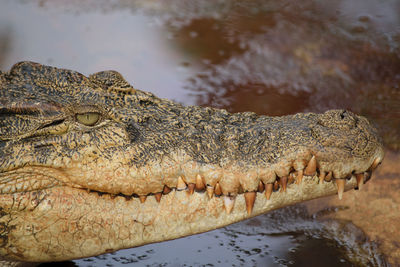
[
  {"x": 142, "y": 199},
  {"x": 360, "y": 180},
  {"x": 321, "y": 177},
  {"x": 158, "y": 196},
  {"x": 299, "y": 177},
  {"x": 210, "y": 191},
  {"x": 375, "y": 164},
  {"x": 260, "y": 187},
  {"x": 218, "y": 190},
  {"x": 199, "y": 183},
  {"x": 166, "y": 190},
  {"x": 268, "y": 190},
  {"x": 250, "y": 197},
  {"x": 181, "y": 184},
  {"x": 311, "y": 167},
  {"x": 88, "y": 190},
  {"x": 328, "y": 177},
  {"x": 283, "y": 182},
  {"x": 229, "y": 201},
  {"x": 191, "y": 187},
  {"x": 340, "y": 187}
]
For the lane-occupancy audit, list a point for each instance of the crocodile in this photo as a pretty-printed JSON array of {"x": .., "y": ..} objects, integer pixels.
[{"x": 91, "y": 165}]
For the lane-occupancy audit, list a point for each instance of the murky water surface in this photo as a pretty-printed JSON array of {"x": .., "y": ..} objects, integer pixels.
[{"x": 270, "y": 57}]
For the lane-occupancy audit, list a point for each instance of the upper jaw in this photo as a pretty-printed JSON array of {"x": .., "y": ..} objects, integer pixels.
[
  {"x": 179, "y": 171},
  {"x": 293, "y": 146}
]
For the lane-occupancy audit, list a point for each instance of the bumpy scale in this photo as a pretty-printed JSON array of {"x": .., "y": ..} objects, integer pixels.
[{"x": 91, "y": 165}]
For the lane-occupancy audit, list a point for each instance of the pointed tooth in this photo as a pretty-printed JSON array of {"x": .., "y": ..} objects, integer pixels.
[
  {"x": 250, "y": 197},
  {"x": 283, "y": 182},
  {"x": 299, "y": 177},
  {"x": 375, "y": 164},
  {"x": 229, "y": 201},
  {"x": 328, "y": 177},
  {"x": 321, "y": 177},
  {"x": 268, "y": 190},
  {"x": 311, "y": 167},
  {"x": 191, "y": 187},
  {"x": 158, "y": 196},
  {"x": 142, "y": 199},
  {"x": 360, "y": 180},
  {"x": 181, "y": 184},
  {"x": 112, "y": 196},
  {"x": 340, "y": 185},
  {"x": 88, "y": 190},
  {"x": 199, "y": 183},
  {"x": 210, "y": 191},
  {"x": 261, "y": 187},
  {"x": 218, "y": 190},
  {"x": 166, "y": 190}
]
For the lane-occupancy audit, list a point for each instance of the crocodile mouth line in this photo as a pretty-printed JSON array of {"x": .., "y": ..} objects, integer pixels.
[
  {"x": 43, "y": 180},
  {"x": 279, "y": 186}
]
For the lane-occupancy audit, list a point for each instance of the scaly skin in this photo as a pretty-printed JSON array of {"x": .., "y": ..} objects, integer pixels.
[{"x": 91, "y": 165}]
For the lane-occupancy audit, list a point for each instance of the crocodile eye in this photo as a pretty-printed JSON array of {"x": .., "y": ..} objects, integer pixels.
[{"x": 88, "y": 118}]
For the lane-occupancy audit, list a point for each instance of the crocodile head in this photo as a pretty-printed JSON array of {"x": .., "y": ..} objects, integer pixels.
[{"x": 90, "y": 165}]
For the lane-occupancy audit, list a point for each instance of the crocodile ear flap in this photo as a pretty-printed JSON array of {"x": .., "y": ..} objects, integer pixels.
[
  {"x": 17, "y": 120},
  {"x": 12, "y": 125},
  {"x": 111, "y": 81}
]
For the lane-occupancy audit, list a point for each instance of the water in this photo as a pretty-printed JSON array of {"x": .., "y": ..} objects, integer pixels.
[{"x": 270, "y": 57}]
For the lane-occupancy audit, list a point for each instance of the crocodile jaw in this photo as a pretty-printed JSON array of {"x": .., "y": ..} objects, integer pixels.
[
  {"x": 148, "y": 169},
  {"x": 65, "y": 223}
]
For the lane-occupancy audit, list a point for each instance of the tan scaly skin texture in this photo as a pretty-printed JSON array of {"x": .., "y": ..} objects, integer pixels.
[{"x": 90, "y": 165}]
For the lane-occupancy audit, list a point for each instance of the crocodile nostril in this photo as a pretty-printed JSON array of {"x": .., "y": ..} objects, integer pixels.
[{"x": 342, "y": 115}]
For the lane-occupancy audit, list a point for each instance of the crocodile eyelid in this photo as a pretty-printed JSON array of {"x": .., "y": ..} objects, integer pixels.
[{"x": 88, "y": 118}]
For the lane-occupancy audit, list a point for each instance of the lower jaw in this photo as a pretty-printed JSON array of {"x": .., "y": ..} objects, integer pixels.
[{"x": 65, "y": 223}]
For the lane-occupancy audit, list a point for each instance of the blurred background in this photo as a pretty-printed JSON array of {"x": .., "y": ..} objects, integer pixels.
[{"x": 270, "y": 57}]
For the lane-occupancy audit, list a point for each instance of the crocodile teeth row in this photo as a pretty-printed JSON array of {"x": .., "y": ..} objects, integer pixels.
[
  {"x": 279, "y": 184},
  {"x": 249, "y": 197}
]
